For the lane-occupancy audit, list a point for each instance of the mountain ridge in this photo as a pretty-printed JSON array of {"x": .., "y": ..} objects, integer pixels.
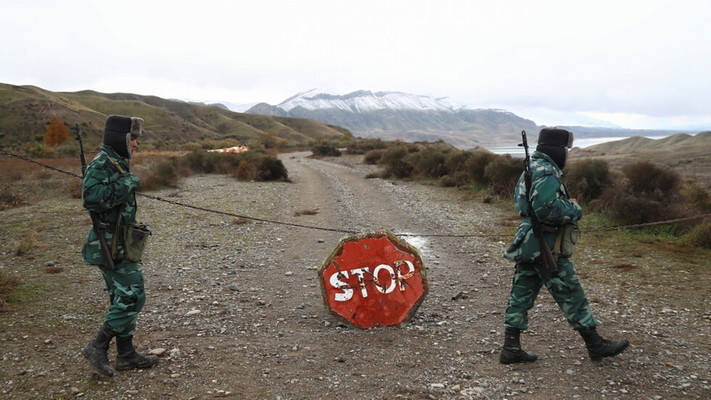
[
  {"x": 403, "y": 116},
  {"x": 24, "y": 111}
]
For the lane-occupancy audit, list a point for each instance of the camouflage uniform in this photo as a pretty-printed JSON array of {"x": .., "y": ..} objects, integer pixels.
[
  {"x": 557, "y": 213},
  {"x": 109, "y": 191},
  {"x": 551, "y": 204}
]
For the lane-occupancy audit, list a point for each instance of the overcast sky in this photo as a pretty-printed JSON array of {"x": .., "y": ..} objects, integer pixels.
[{"x": 638, "y": 64}]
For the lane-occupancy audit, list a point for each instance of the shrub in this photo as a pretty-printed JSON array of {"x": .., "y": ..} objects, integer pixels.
[
  {"x": 8, "y": 284},
  {"x": 363, "y": 146},
  {"x": 502, "y": 174},
  {"x": 467, "y": 167},
  {"x": 325, "y": 150},
  {"x": 587, "y": 179},
  {"x": 428, "y": 163},
  {"x": 700, "y": 236},
  {"x": 250, "y": 165},
  {"x": 8, "y": 197},
  {"x": 647, "y": 179},
  {"x": 394, "y": 162},
  {"x": 373, "y": 157},
  {"x": 648, "y": 194},
  {"x": 163, "y": 175},
  {"x": 41, "y": 150},
  {"x": 619, "y": 203},
  {"x": 272, "y": 169},
  {"x": 28, "y": 242},
  {"x": 446, "y": 181},
  {"x": 246, "y": 171},
  {"x": 696, "y": 198}
]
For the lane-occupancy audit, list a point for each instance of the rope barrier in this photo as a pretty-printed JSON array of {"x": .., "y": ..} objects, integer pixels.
[{"x": 234, "y": 215}]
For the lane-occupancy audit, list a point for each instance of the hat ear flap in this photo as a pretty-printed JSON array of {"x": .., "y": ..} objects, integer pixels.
[{"x": 136, "y": 126}]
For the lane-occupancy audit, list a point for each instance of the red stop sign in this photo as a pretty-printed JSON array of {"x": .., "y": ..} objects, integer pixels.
[{"x": 373, "y": 279}]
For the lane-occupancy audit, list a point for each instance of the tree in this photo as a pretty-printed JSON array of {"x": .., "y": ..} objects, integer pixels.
[{"x": 55, "y": 133}]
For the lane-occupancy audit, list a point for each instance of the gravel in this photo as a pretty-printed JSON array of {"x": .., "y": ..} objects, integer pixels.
[{"x": 235, "y": 308}]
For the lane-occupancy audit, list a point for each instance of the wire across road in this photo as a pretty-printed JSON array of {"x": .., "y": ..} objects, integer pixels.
[{"x": 303, "y": 226}]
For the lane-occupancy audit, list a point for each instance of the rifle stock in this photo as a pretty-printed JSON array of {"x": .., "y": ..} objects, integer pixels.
[
  {"x": 547, "y": 258},
  {"x": 99, "y": 227}
]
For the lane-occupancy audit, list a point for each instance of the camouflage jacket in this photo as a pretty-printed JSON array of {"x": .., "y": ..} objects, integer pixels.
[
  {"x": 108, "y": 190},
  {"x": 550, "y": 202}
]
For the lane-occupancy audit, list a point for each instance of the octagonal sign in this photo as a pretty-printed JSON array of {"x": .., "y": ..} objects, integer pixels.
[{"x": 373, "y": 279}]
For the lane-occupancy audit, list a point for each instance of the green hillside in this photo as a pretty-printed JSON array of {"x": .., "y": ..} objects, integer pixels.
[{"x": 25, "y": 110}]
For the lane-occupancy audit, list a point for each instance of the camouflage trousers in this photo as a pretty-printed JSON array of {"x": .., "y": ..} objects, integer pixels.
[
  {"x": 563, "y": 285},
  {"x": 125, "y": 286}
]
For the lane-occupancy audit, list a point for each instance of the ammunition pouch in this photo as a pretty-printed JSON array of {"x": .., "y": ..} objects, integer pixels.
[
  {"x": 135, "y": 239},
  {"x": 565, "y": 241}
]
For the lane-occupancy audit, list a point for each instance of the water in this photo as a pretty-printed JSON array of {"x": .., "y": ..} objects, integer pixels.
[{"x": 517, "y": 151}]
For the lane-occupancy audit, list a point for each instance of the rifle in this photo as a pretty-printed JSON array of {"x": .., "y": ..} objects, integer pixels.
[
  {"x": 546, "y": 255},
  {"x": 99, "y": 227}
]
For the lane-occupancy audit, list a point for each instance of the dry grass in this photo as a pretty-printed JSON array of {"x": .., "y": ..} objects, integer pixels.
[
  {"x": 305, "y": 212},
  {"x": 8, "y": 285}
]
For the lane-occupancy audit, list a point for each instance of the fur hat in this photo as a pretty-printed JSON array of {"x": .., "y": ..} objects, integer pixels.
[
  {"x": 556, "y": 137},
  {"x": 118, "y": 132},
  {"x": 555, "y": 143}
]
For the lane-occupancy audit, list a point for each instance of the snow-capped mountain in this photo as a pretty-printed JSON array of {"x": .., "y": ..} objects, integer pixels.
[
  {"x": 365, "y": 101},
  {"x": 397, "y": 115}
]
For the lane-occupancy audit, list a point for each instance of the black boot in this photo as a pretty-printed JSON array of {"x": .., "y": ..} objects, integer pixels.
[
  {"x": 511, "y": 352},
  {"x": 127, "y": 357},
  {"x": 599, "y": 347},
  {"x": 96, "y": 351}
]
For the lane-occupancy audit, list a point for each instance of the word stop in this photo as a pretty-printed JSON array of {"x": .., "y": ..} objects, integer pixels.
[{"x": 384, "y": 278}]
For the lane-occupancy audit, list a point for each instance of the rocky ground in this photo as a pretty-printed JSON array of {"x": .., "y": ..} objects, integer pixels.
[{"x": 235, "y": 308}]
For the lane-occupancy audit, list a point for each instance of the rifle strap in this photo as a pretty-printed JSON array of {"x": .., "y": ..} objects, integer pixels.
[{"x": 117, "y": 165}]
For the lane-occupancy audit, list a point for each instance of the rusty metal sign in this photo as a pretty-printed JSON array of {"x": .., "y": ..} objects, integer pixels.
[{"x": 373, "y": 279}]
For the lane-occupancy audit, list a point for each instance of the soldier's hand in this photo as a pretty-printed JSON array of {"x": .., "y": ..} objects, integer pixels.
[{"x": 131, "y": 180}]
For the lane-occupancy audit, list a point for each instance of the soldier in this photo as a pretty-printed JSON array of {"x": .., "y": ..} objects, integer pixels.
[
  {"x": 558, "y": 215},
  {"x": 108, "y": 191}
]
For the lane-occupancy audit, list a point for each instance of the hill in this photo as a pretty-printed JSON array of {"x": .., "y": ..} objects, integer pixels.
[
  {"x": 24, "y": 111},
  {"x": 639, "y": 143},
  {"x": 410, "y": 117},
  {"x": 686, "y": 154}
]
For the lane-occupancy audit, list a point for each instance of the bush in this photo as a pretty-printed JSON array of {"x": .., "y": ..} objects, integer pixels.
[
  {"x": 8, "y": 197},
  {"x": 587, "y": 179},
  {"x": 428, "y": 163},
  {"x": 648, "y": 194},
  {"x": 394, "y": 162},
  {"x": 363, "y": 146},
  {"x": 250, "y": 165},
  {"x": 41, "y": 150},
  {"x": 246, "y": 171},
  {"x": 8, "y": 284},
  {"x": 163, "y": 175},
  {"x": 620, "y": 204},
  {"x": 325, "y": 150},
  {"x": 475, "y": 166},
  {"x": 647, "y": 179},
  {"x": 272, "y": 169},
  {"x": 700, "y": 236},
  {"x": 696, "y": 198},
  {"x": 373, "y": 157},
  {"x": 502, "y": 174}
]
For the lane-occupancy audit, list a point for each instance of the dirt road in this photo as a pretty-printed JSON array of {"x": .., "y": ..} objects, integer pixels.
[{"x": 238, "y": 308}]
